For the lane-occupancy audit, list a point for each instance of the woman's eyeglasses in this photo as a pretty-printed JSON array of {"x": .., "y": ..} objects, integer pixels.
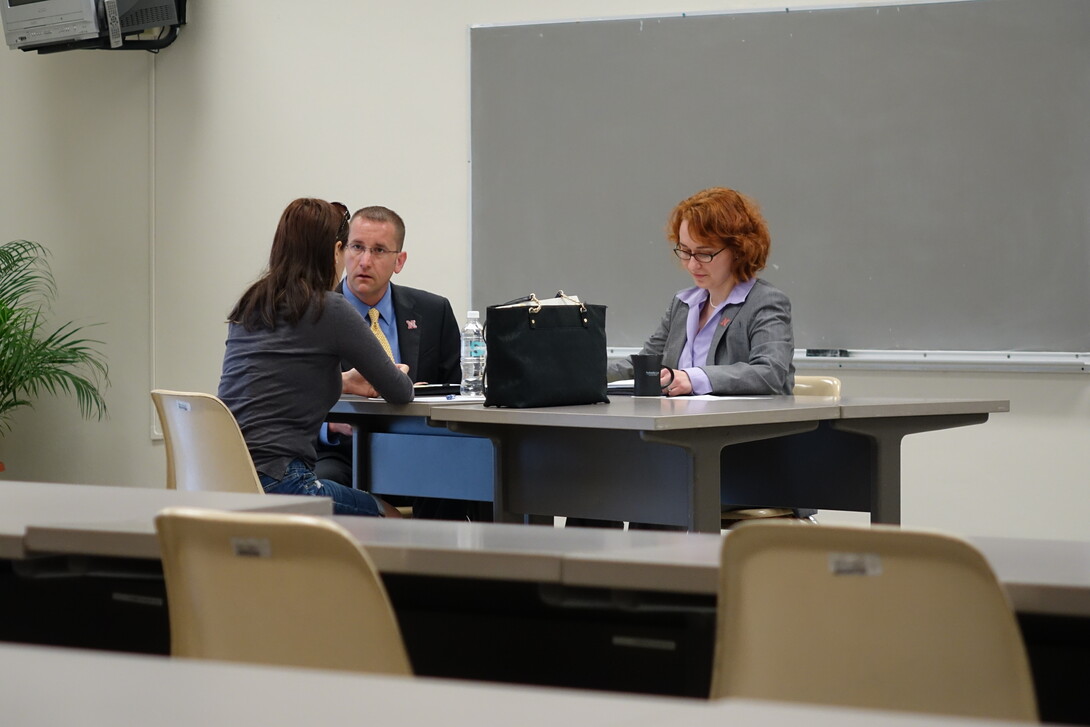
[{"x": 703, "y": 257}]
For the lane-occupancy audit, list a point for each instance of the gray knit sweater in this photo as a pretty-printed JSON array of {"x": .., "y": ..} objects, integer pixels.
[{"x": 281, "y": 383}]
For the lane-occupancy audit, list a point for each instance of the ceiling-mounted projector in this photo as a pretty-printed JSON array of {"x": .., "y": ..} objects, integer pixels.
[{"x": 48, "y": 26}]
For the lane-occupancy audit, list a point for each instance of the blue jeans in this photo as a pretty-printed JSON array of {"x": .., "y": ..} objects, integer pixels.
[{"x": 300, "y": 480}]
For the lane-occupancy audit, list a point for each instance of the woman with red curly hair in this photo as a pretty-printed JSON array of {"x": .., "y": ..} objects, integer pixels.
[{"x": 731, "y": 332}]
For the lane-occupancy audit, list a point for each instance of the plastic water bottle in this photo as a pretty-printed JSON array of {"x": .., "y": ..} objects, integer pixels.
[{"x": 473, "y": 356}]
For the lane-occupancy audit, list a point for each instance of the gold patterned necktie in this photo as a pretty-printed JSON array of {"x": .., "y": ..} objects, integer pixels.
[{"x": 373, "y": 315}]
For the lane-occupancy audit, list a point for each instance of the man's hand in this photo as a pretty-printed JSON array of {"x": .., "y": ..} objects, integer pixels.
[{"x": 341, "y": 429}]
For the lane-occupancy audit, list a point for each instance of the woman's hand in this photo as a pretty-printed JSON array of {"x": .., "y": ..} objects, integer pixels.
[
  {"x": 681, "y": 385},
  {"x": 352, "y": 382}
]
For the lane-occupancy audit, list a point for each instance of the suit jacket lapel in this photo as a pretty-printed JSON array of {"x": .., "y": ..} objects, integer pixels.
[
  {"x": 725, "y": 319},
  {"x": 408, "y": 339},
  {"x": 675, "y": 341}
]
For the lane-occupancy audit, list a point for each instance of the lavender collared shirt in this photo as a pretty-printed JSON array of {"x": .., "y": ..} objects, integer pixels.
[{"x": 698, "y": 343}]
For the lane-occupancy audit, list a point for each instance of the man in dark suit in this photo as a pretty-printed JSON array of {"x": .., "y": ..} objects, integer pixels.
[{"x": 417, "y": 327}]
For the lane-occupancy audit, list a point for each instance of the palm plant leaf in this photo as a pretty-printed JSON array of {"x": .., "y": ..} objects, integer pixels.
[
  {"x": 25, "y": 279},
  {"x": 33, "y": 360}
]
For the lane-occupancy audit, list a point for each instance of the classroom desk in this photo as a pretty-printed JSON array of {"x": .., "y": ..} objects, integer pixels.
[
  {"x": 675, "y": 461},
  {"x": 585, "y": 607},
  {"x": 112, "y": 603},
  {"x": 44, "y": 687},
  {"x": 850, "y": 463},
  {"x": 656, "y": 460},
  {"x": 36, "y": 503},
  {"x": 652, "y": 460},
  {"x": 397, "y": 450},
  {"x": 1040, "y": 576}
]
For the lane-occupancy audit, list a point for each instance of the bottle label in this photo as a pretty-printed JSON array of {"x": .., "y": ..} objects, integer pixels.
[{"x": 476, "y": 349}]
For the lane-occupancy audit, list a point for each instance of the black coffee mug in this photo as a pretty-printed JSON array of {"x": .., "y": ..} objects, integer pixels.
[{"x": 645, "y": 374}]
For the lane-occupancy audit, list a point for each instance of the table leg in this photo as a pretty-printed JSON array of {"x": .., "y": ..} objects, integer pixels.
[
  {"x": 359, "y": 456},
  {"x": 704, "y": 447},
  {"x": 500, "y": 512},
  {"x": 886, "y": 434}
]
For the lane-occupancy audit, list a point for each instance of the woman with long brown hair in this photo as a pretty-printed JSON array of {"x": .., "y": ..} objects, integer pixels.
[{"x": 287, "y": 336}]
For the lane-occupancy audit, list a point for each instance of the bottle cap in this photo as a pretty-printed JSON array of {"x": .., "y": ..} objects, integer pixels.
[{"x": 473, "y": 314}]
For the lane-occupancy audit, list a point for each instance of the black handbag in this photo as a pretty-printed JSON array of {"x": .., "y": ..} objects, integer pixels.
[{"x": 549, "y": 352}]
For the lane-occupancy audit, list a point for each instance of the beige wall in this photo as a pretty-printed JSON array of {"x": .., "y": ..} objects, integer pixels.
[
  {"x": 157, "y": 181},
  {"x": 74, "y": 150}
]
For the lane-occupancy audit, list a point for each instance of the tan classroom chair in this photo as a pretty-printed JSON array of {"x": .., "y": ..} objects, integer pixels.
[
  {"x": 878, "y": 617},
  {"x": 816, "y": 386},
  {"x": 290, "y": 590},
  {"x": 804, "y": 386},
  {"x": 205, "y": 448}
]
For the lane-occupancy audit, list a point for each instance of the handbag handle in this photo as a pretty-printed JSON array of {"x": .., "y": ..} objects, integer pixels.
[
  {"x": 523, "y": 299},
  {"x": 582, "y": 305},
  {"x": 535, "y": 309},
  {"x": 535, "y": 302}
]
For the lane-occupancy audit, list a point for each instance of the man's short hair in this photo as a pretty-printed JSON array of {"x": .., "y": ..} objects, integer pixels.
[{"x": 378, "y": 213}]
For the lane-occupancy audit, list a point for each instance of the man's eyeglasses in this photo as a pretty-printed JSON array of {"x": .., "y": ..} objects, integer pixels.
[
  {"x": 376, "y": 252},
  {"x": 703, "y": 257}
]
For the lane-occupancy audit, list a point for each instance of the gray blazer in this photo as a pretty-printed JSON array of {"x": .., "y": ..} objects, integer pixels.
[{"x": 752, "y": 354}]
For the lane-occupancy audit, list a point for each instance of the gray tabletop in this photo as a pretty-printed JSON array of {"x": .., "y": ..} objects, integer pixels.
[
  {"x": 107, "y": 689},
  {"x": 1040, "y": 576},
  {"x": 652, "y": 413},
  {"x": 28, "y": 504}
]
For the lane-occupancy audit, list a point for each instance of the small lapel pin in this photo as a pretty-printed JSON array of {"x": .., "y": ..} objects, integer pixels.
[
  {"x": 725, "y": 322},
  {"x": 411, "y": 325}
]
